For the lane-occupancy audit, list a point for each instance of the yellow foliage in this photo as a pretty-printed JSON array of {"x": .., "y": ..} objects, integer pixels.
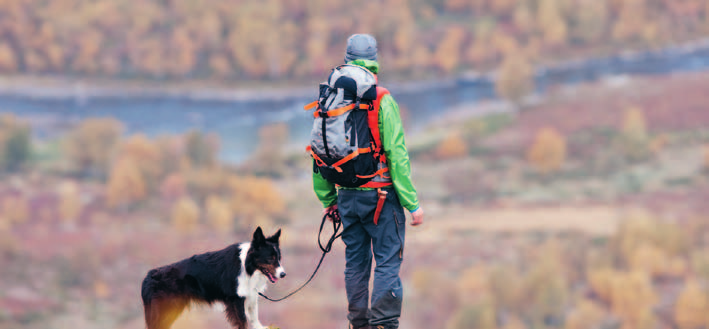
[
  {"x": 447, "y": 54},
  {"x": 601, "y": 282},
  {"x": 255, "y": 199},
  {"x": 548, "y": 151},
  {"x": 90, "y": 144},
  {"x": 586, "y": 315},
  {"x": 639, "y": 229},
  {"x": 185, "y": 215},
  {"x": 632, "y": 299},
  {"x": 146, "y": 155},
  {"x": 219, "y": 214},
  {"x": 515, "y": 77},
  {"x": 691, "y": 307},
  {"x": 125, "y": 184},
  {"x": 70, "y": 205},
  {"x": 551, "y": 21},
  {"x": 634, "y": 140},
  {"x": 453, "y": 146}
]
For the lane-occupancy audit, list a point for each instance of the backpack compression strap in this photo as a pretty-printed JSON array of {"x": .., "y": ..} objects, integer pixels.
[{"x": 373, "y": 122}]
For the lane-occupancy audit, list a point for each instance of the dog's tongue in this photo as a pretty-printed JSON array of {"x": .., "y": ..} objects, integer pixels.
[{"x": 272, "y": 278}]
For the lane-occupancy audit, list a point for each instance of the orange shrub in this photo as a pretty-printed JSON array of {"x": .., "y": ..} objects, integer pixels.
[
  {"x": 255, "y": 200},
  {"x": 125, "y": 184},
  {"x": 515, "y": 78},
  {"x": 219, "y": 214},
  {"x": 548, "y": 151},
  {"x": 90, "y": 144},
  {"x": 453, "y": 146},
  {"x": 633, "y": 141},
  {"x": 690, "y": 310},
  {"x": 185, "y": 215},
  {"x": 632, "y": 299},
  {"x": 147, "y": 156}
]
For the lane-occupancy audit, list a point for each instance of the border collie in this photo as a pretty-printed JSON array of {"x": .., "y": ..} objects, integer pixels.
[{"x": 234, "y": 276}]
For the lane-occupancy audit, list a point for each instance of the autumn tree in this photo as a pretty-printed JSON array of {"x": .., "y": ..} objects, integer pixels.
[
  {"x": 90, "y": 144},
  {"x": 548, "y": 151},
  {"x": 552, "y": 23},
  {"x": 515, "y": 78},
  {"x": 448, "y": 52},
  {"x": 633, "y": 140},
  {"x": 219, "y": 214},
  {"x": 453, "y": 146},
  {"x": 185, "y": 215},
  {"x": 255, "y": 200},
  {"x": 690, "y": 308},
  {"x": 125, "y": 184},
  {"x": 147, "y": 157}
]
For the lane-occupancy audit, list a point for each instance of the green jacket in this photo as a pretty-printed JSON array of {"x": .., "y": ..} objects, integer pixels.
[{"x": 392, "y": 136}]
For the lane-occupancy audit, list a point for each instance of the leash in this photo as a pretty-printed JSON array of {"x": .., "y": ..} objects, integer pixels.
[{"x": 336, "y": 225}]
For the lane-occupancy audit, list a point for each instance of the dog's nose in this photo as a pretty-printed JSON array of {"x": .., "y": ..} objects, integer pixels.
[{"x": 283, "y": 275}]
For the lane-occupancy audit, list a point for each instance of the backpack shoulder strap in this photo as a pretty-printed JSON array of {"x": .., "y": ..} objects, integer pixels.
[{"x": 373, "y": 122}]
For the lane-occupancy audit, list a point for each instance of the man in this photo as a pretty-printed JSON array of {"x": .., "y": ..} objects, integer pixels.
[{"x": 361, "y": 235}]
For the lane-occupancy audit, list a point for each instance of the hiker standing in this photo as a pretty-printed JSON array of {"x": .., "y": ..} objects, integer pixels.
[{"x": 361, "y": 169}]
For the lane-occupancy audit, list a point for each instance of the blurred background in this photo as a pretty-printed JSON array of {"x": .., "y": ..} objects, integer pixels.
[{"x": 560, "y": 149}]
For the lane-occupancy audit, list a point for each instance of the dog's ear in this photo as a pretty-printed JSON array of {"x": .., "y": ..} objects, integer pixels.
[
  {"x": 258, "y": 236},
  {"x": 274, "y": 238}
]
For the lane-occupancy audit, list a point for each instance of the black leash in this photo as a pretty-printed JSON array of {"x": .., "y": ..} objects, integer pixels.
[{"x": 336, "y": 225}]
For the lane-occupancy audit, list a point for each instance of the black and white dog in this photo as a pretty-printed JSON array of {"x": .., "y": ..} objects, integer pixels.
[{"x": 234, "y": 276}]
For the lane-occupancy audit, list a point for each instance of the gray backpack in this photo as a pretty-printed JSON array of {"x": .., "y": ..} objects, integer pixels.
[{"x": 343, "y": 144}]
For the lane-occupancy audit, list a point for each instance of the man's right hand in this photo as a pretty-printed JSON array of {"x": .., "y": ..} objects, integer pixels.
[{"x": 417, "y": 217}]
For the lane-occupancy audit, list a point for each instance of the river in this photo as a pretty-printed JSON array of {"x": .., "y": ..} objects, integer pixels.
[{"x": 236, "y": 116}]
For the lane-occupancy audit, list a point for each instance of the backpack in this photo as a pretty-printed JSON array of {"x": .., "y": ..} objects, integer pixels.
[{"x": 344, "y": 141}]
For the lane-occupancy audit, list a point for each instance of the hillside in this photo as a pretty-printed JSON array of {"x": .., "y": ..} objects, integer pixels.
[{"x": 599, "y": 222}]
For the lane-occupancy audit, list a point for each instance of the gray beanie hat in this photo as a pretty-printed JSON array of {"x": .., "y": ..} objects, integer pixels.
[{"x": 361, "y": 46}]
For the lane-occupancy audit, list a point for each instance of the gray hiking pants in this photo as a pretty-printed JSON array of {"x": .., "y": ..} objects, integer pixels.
[{"x": 362, "y": 240}]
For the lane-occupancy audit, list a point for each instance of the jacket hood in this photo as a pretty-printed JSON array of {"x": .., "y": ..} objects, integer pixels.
[{"x": 370, "y": 65}]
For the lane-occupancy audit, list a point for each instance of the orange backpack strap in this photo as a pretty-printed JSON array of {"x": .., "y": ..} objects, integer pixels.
[{"x": 373, "y": 122}]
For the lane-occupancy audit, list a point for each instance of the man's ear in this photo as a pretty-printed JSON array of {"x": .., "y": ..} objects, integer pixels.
[
  {"x": 274, "y": 238},
  {"x": 258, "y": 236}
]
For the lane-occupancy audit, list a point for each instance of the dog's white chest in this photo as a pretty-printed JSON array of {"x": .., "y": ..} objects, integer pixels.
[{"x": 249, "y": 285}]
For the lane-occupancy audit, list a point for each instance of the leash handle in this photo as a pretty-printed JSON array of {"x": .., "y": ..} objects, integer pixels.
[{"x": 336, "y": 225}]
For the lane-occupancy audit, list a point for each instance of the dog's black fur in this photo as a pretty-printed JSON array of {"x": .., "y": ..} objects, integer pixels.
[{"x": 212, "y": 277}]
